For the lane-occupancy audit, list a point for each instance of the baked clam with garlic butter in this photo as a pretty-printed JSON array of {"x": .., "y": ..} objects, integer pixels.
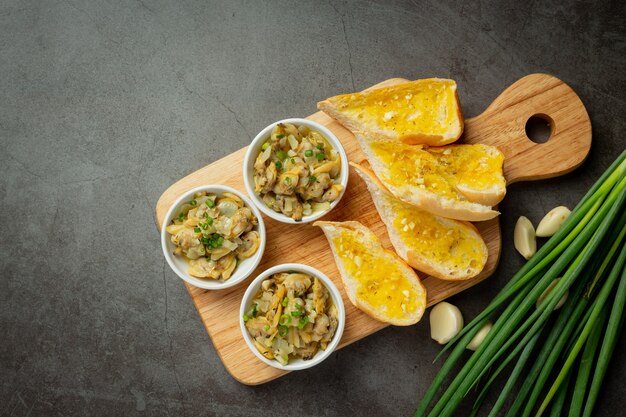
[
  {"x": 213, "y": 233},
  {"x": 297, "y": 171}
]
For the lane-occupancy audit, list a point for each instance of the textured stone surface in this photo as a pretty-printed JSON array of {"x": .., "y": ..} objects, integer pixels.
[{"x": 105, "y": 103}]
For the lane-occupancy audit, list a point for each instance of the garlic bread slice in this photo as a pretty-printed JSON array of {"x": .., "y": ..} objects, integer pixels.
[
  {"x": 416, "y": 112},
  {"x": 376, "y": 280},
  {"x": 459, "y": 182},
  {"x": 444, "y": 248}
]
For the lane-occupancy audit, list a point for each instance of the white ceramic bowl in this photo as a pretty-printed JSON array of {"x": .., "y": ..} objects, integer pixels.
[
  {"x": 255, "y": 148},
  {"x": 180, "y": 266},
  {"x": 294, "y": 364}
]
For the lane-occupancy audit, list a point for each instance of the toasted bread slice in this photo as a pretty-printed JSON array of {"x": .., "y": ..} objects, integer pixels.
[
  {"x": 444, "y": 248},
  {"x": 376, "y": 280},
  {"x": 459, "y": 182},
  {"x": 417, "y": 112}
]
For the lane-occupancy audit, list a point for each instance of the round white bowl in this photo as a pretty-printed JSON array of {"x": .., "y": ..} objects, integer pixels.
[
  {"x": 294, "y": 364},
  {"x": 180, "y": 266},
  {"x": 255, "y": 148}
]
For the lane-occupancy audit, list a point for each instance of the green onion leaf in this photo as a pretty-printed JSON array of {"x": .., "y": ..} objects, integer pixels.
[
  {"x": 283, "y": 330},
  {"x": 303, "y": 322},
  {"x": 245, "y": 317},
  {"x": 320, "y": 146},
  {"x": 265, "y": 146},
  {"x": 254, "y": 310},
  {"x": 210, "y": 203},
  {"x": 280, "y": 136},
  {"x": 312, "y": 179},
  {"x": 266, "y": 327},
  {"x": 320, "y": 156},
  {"x": 209, "y": 221},
  {"x": 285, "y": 319},
  {"x": 308, "y": 153},
  {"x": 193, "y": 202},
  {"x": 196, "y": 229},
  {"x": 279, "y": 165},
  {"x": 181, "y": 217},
  {"x": 285, "y": 301},
  {"x": 282, "y": 155},
  {"x": 288, "y": 180}
]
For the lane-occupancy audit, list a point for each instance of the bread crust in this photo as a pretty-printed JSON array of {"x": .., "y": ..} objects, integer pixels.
[
  {"x": 382, "y": 196},
  {"x": 332, "y": 229}
]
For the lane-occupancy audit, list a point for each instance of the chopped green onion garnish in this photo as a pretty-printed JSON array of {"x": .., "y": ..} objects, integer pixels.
[
  {"x": 210, "y": 203},
  {"x": 279, "y": 165},
  {"x": 312, "y": 178},
  {"x": 284, "y": 319},
  {"x": 196, "y": 229},
  {"x": 296, "y": 313},
  {"x": 285, "y": 301},
  {"x": 266, "y": 327},
  {"x": 245, "y": 317},
  {"x": 280, "y": 136},
  {"x": 320, "y": 146},
  {"x": 254, "y": 310},
  {"x": 308, "y": 153},
  {"x": 204, "y": 226},
  {"x": 209, "y": 220},
  {"x": 320, "y": 156},
  {"x": 193, "y": 202},
  {"x": 283, "y": 330},
  {"x": 288, "y": 180},
  {"x": 303, "y": 322},
  {"x": 181, "y": 217},
  {"x": 282, "y": 155},
  {"x": 220, "y": 240},
  {"x": 265, "y": 146}
]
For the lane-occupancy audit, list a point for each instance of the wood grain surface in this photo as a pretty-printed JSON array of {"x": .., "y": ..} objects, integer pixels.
[{"x": 502, "y": 124}]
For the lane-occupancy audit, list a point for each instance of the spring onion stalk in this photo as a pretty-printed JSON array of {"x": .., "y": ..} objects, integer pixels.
[
  {"x": 598, "y": 305},
  {"x": 586, "y": 364},
  {"x": 583, "y": 254},
  {"x": 559, "y": 402},
  {"x": 616, "y": 320}
]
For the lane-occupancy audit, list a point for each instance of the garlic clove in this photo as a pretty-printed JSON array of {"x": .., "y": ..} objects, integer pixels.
[
  {"x": 547, "y": 292},
  {"x": 552, "y": 221},
  {"x": 524, "y": 238},
  {"x": 480, "y": 336},
  {"x": 446, "y": 321}
]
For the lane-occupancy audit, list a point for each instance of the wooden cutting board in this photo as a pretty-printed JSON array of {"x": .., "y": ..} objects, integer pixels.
[{"x": 502, "y": 124}]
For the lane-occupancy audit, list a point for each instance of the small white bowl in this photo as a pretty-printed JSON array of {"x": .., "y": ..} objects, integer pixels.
[
  {"x": 255, "y": 148},
  {"x": 180, "y": 266},
  {"x": 294, "y": 364}
]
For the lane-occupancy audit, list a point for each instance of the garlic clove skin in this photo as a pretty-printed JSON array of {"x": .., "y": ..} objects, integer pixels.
[
  {"x": 480, "y": 336},
  {"x": 446, "y": 321},
  {"x": 524, "y": 237},
  {"x": 552, "y": 221}
]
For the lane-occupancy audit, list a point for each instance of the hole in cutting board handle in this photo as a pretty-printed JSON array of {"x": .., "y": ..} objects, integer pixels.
[{"x": 539, "y": 128}]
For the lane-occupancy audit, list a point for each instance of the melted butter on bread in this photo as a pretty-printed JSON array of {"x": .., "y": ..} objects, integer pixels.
[
  {"x": 422, "y": 111},
  {"x": 381, "y": 282},
  {"x": 376, "y": 280},
  {"x": 425, "y": 235},
  {"x": 444, "y": 248},
  {"x": 445, "y": 170}
]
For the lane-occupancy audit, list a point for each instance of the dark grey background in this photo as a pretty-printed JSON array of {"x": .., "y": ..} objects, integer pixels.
[{"x": 103, "y": 104}]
